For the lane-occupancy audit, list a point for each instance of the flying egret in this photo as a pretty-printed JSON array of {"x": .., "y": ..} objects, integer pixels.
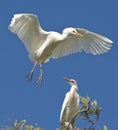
[
  {"x": 42, "y": 45},
  {"x": 71, "y": 105}
]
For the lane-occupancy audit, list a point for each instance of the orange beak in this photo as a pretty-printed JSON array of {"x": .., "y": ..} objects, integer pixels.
[
  {"x": 67, "y": 79},
  {"x": 79, "y": 34}
]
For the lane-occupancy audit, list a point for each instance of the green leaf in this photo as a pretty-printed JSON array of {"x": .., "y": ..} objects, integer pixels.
[{"x": 105, "y": 127}]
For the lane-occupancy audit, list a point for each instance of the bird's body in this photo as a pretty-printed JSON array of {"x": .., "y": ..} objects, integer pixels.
[
  {"x": 42, "y": 54},
  {"x": 42, "y": 45},
  {"x": 71, "y": 104}
]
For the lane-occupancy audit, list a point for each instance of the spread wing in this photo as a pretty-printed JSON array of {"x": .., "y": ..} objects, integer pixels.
[
  {"x": 28, "y": 29},
  {"x": 62, "y": 114},
  {"x": 90, "y": 42}
]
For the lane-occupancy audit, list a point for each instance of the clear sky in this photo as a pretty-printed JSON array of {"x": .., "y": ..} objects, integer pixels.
[{"x": 97, "y": 76}]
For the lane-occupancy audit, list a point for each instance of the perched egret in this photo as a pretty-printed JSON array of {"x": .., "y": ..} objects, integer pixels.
[
  {"x": 42, "y": 45},
  {"x": 71, "y": 105}
]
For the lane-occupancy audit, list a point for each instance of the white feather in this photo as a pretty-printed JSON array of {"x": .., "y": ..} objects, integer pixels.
[
  {"x": 28, "y": 29},
  {"x": 90, "y": 42}
]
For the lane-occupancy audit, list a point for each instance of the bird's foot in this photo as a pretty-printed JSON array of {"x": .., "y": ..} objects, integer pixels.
[
  {"x": 39, "y": 80},
  {"x": 29, "y": 76}
]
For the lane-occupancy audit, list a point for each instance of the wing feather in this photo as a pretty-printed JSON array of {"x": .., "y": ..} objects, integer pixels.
[
  {"x": 91, "y": 43},
  {"x": 64, "y": 107},
  {"x": 28, "y": 29}
]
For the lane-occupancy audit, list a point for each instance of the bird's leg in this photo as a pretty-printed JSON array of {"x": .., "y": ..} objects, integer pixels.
[
  {"x": 39, "y": 79},
  {"x": 29, "y": 76}
]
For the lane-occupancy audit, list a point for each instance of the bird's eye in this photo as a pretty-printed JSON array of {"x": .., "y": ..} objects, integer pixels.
[
  {"x": 72, "y": 81},
  {"x": 74, "y": 31}
]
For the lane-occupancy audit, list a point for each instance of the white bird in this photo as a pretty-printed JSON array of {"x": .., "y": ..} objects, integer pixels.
[
  {"x": 71, "y": 105},
  {"x": 42, "y": 45}
]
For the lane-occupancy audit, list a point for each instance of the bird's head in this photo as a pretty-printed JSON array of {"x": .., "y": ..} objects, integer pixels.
[
  {"x": 72, "y": 31},
  {"x": 71, "y": 82}
]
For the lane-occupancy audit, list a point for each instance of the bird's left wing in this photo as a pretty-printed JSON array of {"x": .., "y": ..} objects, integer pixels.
[
  {"x": 28, "y": 29},
  {"x": 89, "y": 42},
  {"x": 62, "y": 114}
]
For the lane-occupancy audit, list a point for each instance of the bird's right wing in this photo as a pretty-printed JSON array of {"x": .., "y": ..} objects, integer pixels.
[
  {"x": 62, "y": 114},
  {"x": 89, "y": 41},
  {"x": 28, "y": 29}
]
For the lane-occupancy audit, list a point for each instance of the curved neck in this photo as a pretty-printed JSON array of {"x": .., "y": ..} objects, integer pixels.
[
  {"x": 63, "y": 36},
  {"x": 74, "y": 87}
]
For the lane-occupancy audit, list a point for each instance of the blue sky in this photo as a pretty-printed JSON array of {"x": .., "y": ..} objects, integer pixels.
[{"x": 97, "y": 76}]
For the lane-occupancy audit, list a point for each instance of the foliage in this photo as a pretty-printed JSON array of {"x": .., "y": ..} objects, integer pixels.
[
  {"x": 105, "y": 127},
  {"x": 89, "y": 111},
  {"x": 22, "y": 125}
]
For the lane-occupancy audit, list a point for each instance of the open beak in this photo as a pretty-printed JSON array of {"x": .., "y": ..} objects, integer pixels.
[{"x": 67, "y": 79}]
